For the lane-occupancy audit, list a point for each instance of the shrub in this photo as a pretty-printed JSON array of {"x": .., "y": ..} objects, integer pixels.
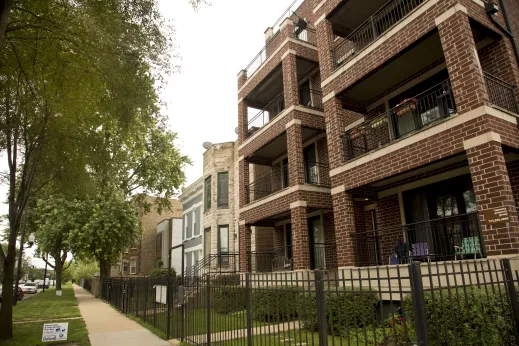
[
  {"x": 227, "y": 279},
  {"x": 343, "y": 309},
  {"x": 482, "y": 316},
  {"x": 162, "y": 274},
  {"x": 228, "y": 299},
  {"x": 276, "y": 303}
]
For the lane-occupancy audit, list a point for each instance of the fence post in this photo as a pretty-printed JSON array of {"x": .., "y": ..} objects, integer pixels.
[
  {"x": 248, "y": 290},
  {"x": 168, "y": 304},
  {"x": 417, "y": 295},
  {"x": 209, "y": 310},
  {"x": 137, "y": 284},
  {"x": 146, "y": 298},
  {"x": 322, "y": 324},
  {"x": 512, "y": 293}
]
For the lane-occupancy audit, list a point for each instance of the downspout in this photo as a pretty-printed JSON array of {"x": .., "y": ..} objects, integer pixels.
[{"x": 491, "y": 10}]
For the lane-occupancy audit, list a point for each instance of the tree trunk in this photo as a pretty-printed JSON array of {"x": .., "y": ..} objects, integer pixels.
[
  {"x": 59, "y": 270},
  {"x": 6, "y": 309},
  {"x": 5, "y": 9},
  {"x": 104, "y": 272}
]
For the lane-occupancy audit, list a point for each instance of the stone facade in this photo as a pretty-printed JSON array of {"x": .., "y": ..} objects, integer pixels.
[{"x": 474, "y": 138}]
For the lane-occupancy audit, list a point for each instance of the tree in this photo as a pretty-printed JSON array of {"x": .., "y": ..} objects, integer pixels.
[
  {"x": 112, "y": 227},
  {"x": 84, "y": 270}
]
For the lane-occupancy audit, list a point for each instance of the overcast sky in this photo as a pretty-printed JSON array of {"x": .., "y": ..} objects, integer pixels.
[{"x": 213, "y": 44}]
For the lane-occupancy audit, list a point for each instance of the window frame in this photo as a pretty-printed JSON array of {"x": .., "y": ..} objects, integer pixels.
[
  {"x": 161, "y": 237},
  {"x": 207, "y": 193},
  {"x": 126, "y": 267},
  {"x": 218, "y": 190},
  {"x": 133, "y": 272}
]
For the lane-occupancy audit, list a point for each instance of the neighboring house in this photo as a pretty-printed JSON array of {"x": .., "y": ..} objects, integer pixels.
[
  {"x": 169, "y": 234},
  {"x": 376, "y": 132},
  {"x": 192, "y": 237},
  {"x": 142, "y": 258},
  {"x": 220, "y": 223}
]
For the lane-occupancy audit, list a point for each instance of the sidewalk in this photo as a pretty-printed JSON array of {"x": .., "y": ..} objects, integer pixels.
[{"x": 107, "y": 327}]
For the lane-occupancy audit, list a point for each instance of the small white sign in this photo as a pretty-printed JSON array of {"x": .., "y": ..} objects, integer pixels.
[
  {"x": 54, "y": 332},
  {"x": 58, "y": 293}
]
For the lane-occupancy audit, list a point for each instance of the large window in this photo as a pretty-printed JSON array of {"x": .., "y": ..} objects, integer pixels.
[
  {"x": 158, "y": 243},
  {"x": 207, "y": 193},
  {"x": 196, "y": 221},
  {"x": 133, "y": 267},
  {"x": 125, "y": 268},
  {"x": 223, "y": 190},
  {"x": 189, "y": 223},
  {"x": 223, "y": 243}
]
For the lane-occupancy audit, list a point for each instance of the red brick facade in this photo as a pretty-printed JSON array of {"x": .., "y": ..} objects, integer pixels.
[{"x": 399, "y": 163}]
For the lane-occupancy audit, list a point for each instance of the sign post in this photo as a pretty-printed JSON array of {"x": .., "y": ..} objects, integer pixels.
[{"x": 54, "y": 332}]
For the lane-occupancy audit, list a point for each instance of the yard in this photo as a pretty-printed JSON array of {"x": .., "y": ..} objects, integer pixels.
[{"x": 30, "y": 315}]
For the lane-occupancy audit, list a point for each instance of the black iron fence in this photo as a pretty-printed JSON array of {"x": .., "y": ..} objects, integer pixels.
[
  {"x": 317, "y": 173},
  {"x": 269, "y": 184},
  {"x": 449, "y": 238},
  {"x": 467, "y": 303},
  {"x": 311, "y": 98},
  {"x": 375, "y": 26},
  {"x": 306, "y": 35},
  {"x": 268, "y": 113},
  {"x": 271, "y": 260},
  {"x": 501, "y": 94},
  {"x": 410, "y": 115}
]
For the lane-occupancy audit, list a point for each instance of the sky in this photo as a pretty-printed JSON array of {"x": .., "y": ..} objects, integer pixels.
[{"x": 201, "y": 100}]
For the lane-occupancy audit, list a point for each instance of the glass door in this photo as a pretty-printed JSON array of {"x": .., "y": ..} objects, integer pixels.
[
  {"x": 317, "y": 245},
  {"x": 311, "y": 172},
  {"x": 207, "y": 241},
  {"x": 223, "y": 244}
]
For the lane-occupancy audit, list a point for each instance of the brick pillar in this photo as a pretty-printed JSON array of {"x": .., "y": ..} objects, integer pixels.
[
  {"x": 295, "y": 153},
  {"x": 344, "y": 227},
  {"x": 243, "y": 121},
  {"x": 300, "y": 241},
  {"x": 243, "y": 166},
  {"x": 242, "y": 78},
  {"x": 335, "y": 124},
  {"x": 290, "y": 87},
  {"x": 493, "y": 190},
  {"x": 279, "y": 237},
  {"x": 245, "y": 248},
  {"x": 325, "y": 40},
  {"x": 287, "y": 28},
  {"x": 462, "y": 62}
]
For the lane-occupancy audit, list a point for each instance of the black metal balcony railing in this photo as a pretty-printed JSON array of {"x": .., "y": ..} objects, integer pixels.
[
  {"x": 501, "y": 94},
  {"x": 307, "y": 35},
  {"x": 375, "y": 26},
  {"x": 271, "y": 260},
  {"x": 449, "y": 238},
  {"x": 317, "y": 173},
  {"x": 413, "y": 114},
  {"x": 269, "y": 184},
  {"x": 311, "y": 98},
  {"x": 276, "y": 106}
]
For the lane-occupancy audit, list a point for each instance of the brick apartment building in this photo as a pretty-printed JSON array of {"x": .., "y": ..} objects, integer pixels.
[{"x": 376, "y": 132}]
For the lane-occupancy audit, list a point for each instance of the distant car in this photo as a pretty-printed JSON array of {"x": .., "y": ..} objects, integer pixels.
[
  {"x": 19, "y": 296},
  {"x": 30, "y": 287}
]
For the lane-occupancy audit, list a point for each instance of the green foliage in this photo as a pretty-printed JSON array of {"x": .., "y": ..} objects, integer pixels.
[
  {"x": 344, "y": 309},
  {"x": 84, "y": 270},
  {"x": 275, "y": 304},
  {"x": 229, "y": 298},
  {"x": 162, "y": 274},
  {"x": 472, "y": 316}
]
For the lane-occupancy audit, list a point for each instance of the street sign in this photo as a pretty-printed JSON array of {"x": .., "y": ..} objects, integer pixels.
[
  {"x": 58, "y": 293},
  {"x": 496, "y": 216},
  {"x": 54, "y": 332}
]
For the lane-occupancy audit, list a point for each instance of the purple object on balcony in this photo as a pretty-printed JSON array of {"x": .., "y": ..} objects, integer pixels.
[{"x": 420, "y": 250}]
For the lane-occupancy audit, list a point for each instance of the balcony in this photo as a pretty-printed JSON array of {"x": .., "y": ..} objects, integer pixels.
[
  {"x": 449, "y": 238},
  {"x": 311, "y": 98},
  {"x": 350, "y": 40},
  {"x": 271, "y": 260},
  {"x": 317, "y": 174},
  {"x": 501, "y": 93},
  {"x": 409, "y": 116}
]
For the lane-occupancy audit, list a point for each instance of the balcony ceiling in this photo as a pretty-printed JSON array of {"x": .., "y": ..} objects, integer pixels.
[
  {"x": 272, "y": 85},
  {"x": 352, "y": 13},
  {"x": 278, "y": 146},
  {"x": 400, "y": 68}
]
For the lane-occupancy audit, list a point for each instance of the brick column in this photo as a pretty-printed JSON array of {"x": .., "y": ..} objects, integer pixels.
[
  {"x": 462, "y": 61},
  {"x": 243, "y": 121},
  {"x": 243, "y": 166},
  {"x": 325, "y": 37},
  {"x": 493, "y": 190},
  {"x": 296, "y": 172},
  {"x": 335, "y": 124},
  {"x": 300, "y": 240},
  {"x": 344, "y": 227},
  {"x": 245, "y": 248},
  {"x": 290, "y": 87},
  {"x": 242, "y": 78}
]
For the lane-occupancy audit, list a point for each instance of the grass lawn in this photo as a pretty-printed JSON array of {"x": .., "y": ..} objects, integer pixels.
[{"x": 46, "y": 306}]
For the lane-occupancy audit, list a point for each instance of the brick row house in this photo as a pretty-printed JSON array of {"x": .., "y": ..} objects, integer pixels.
[{"x": 376, "y": 132}]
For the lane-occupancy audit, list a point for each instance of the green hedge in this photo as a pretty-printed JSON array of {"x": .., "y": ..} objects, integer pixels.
[
  {"x": 162, "y": 274},
  {"x": 343, "y": 310},
  {"x": 228, "y": 299},
  {"x": 275, "y": 304},
  {"x": 482, "y": 316}
]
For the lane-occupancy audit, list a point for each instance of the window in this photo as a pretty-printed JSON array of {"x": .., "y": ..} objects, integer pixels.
[
  {"x": 223, "y": 243},
  {"x": 125, "y": 267},
  {"x": 158, "y": 243},
  {"x": 189, "y": 222},
  {"x": 196, "y": 218},
  {"x": 133, "y": 267},
  {"x": 207, "y": 193},
  {"x": 223, "y": 190}
]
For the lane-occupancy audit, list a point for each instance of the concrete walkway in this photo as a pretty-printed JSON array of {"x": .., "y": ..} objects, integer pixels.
[{"x": 107, "y": 327}]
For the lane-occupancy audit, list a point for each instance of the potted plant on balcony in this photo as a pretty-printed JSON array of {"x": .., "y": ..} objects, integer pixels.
[
  {"x": 359, "y": 131},
  {"x": 406, "y": 106}
]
